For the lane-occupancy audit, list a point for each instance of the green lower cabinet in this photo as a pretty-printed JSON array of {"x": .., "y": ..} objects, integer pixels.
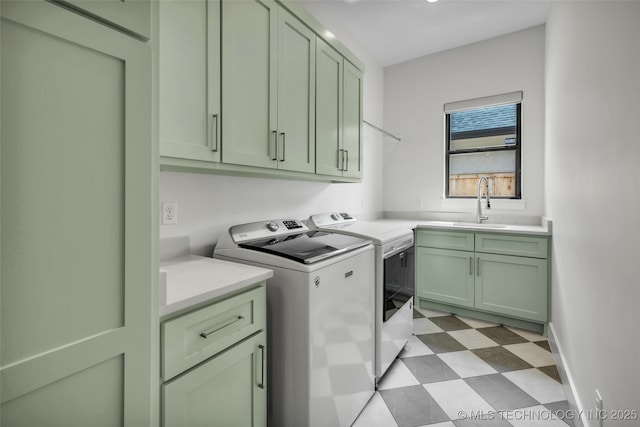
[
  {"x": 228, "y": 390},
  {"x": 492, "y": 279},
  {"x": 510, "y": 285},
  {"x": 445, "y": 276}
]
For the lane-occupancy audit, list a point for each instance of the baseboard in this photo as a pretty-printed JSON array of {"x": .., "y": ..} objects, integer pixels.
[{"x": 567, "y": 379}]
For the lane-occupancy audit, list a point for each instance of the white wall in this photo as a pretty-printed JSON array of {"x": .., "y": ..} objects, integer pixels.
[
  {"x": 593, "y": 196},
  {"x": 414, "y": 94},
  {"x": 209, "y": 204}
]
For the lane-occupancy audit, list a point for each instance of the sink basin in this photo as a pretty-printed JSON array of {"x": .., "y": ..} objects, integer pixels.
[{"x": 476, "y": 225}]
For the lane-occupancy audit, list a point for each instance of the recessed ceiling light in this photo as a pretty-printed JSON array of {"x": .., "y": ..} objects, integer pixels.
[
  {"x": 431, "y": 1},
  {"x": 328, "y": 34}
]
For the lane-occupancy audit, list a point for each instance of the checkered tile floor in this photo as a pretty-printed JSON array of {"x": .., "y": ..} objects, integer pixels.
[{"x": 459, "y": 372}]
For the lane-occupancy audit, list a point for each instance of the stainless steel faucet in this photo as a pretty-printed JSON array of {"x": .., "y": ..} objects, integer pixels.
[{"x": 479, "y": 217}]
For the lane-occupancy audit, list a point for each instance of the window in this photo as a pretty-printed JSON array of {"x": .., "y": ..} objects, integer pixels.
[{"x": 483, "y": 139}]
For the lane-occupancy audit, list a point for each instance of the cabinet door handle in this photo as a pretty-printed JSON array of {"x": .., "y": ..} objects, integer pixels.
[
  {"x": 478, "y": 266},
  {"x": 471, "y": 266},
  {"x": 274, "y": 143},
  {"x": 261, "y": 383},
  {"x": 282, "y": 135},
  {"x": 340, "y": 159},
  {"x": 346, "y": 152},
  {"x": 225, "y": 325},
  {"x": 214, "y": 147}
]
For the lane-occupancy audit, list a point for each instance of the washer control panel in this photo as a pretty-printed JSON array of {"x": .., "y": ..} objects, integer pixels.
[
  {"x": 330, "y": 219},
  {"x": 270, "y": 228}
]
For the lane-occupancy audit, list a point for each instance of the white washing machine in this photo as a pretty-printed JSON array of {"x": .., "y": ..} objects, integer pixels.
[
  {"x": 394, "y": 275},
  {"x": 320, "y": 314}
]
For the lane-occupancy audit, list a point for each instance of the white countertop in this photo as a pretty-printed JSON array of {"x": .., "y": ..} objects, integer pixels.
[
  {"x": 192, "y": 279},
  {"x": 543, "y": 229}
]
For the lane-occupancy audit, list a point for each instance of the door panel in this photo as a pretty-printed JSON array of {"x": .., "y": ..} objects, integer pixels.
[
  {"x": 76, "y": 218},
  {"x": 514, "y": 286},
  {"x": 249, "y": 70},
  {"x": 189, "y": 79},
  {"x": 445, "y": 276},
  {"x": 228, "y": 390},
  {"x": 329, "y": 65},
  {"x": 352, "y": 130},
  {"x": 132, "y": 15},
  {"x": 296, "y": 94}
]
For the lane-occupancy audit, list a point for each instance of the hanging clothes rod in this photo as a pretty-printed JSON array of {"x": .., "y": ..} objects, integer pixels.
[{"x": 397, "y": 138}]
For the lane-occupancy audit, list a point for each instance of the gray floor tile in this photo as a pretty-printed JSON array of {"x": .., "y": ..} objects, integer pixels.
[
  {"x": 413, "y": 406},
  {"x": 441, "y": 342},
  {"x": 500, "y": 359},
  {"x": 544, "y": 344},
  {"x": 552, "y": 371},
  {"x": 417, "y": 314},
  {"x": 429, "y": 369},
  {"x": 502, "y": 335},
  {"x": 501, "y": 393},
  {"x": 563, "y": 411},
  {"x": 450, "y": 323}
]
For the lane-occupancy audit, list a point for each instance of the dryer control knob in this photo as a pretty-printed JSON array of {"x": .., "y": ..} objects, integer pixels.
[
  {"x": 335, "y": 216},
  {"x": 273, "y": 226}
]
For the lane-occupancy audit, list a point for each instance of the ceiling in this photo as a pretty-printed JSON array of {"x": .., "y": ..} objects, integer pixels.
[{"x": 393, "y": 31}]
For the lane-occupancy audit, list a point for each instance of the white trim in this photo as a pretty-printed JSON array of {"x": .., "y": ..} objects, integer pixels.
[
  {"x": 487, "y": 101},
  {"x": 567, "y": 379},
  {"x": 470, "y": 204}
]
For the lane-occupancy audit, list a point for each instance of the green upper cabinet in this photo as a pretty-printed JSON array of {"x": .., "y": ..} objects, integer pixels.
[
  {"x": 250, "y": 87},
  {"x": 329, "y": 78},
  {"x": 78, "y": 227},
  {"x": 249, "y": 69},
  {"x": 352, "y": 121},
  {"x": 268, "y": 98},
  {"x": 338, "y": 114},
  {"x": 133, "y": 16},
  {"x": 296, "y": 94},
  {"x": 189, "y": 79}
]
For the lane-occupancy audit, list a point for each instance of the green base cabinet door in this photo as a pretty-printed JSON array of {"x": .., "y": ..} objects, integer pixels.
[
  {"x": 77, "y": 221},
  {"x": 513, "y": 286},
  {"x": 444, "y": 275},
  {"x": 228, "y": 390}
]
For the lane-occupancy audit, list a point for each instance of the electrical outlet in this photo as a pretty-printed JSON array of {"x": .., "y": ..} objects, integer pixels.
[{"x": 169, "y": 213}]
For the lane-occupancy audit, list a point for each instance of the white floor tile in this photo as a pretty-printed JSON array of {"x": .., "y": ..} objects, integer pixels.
[
  {"x": 456, "y": 397},
  {"x": 375, "y": 414},
  {"x": 531, "y": 336},
  {"x": 431, "y": 313},
  {"x": 466, "y": 364},
  {"x": 343, "y": 354},
  {"x": 532, "y": 354},
  {"x": 475, "y": 323},
  {"x": 398, "y": 375},
  {"x": 536, "y": 416},
  {"x": 471, "y": 338},
  {"x": 540, "y": 386},
  {"x": 425, "y": 326},
  {"x": 415, "y": 347}
]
